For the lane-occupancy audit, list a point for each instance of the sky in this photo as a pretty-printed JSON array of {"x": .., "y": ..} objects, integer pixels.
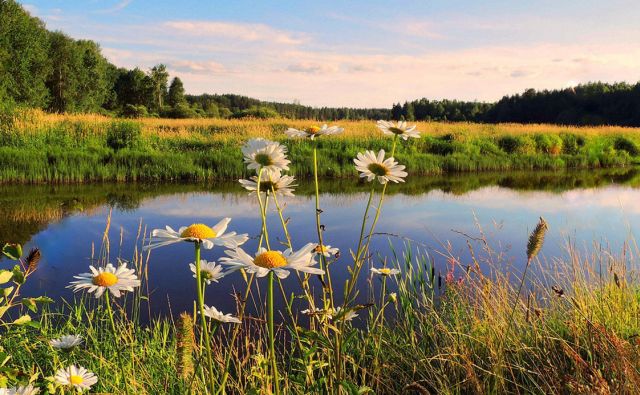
[{"x": 362, "y": 53}]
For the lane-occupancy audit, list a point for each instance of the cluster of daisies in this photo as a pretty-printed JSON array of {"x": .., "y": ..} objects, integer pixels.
[{"x": 269, "y": 160}]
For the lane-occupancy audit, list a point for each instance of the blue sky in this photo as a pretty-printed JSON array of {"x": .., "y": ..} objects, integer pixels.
[{"x": 362, "y": 53}]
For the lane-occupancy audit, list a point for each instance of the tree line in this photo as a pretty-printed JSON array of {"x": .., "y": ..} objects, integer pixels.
[{"x": 50, "y": 70}]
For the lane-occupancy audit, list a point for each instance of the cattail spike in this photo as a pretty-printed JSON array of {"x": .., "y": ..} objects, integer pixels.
[
  {"x": 33, "y": 259},
  {"x": 537, "y": 239},
  {"x": 185, "y": 345}
]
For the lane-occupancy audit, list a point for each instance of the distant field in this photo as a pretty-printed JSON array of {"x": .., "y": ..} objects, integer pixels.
[{"x": 38, "y": 147}]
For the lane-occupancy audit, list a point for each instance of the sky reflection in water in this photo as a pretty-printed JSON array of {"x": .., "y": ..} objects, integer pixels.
[{"x": 603, "y": 214}]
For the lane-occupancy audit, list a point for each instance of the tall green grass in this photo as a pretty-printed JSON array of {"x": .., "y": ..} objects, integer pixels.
[{"x": 49, "y": 148}]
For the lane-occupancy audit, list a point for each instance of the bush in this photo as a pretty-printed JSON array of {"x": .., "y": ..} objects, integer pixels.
[
  {"x": 517, "y": 144},
  {"x": 133, "y": 111},
  {"x": 572, "y": 143},
  {"x": 548, "y": 143},
  {"x": 626, "y": 145},
  {"x": 124, "y": 135}
]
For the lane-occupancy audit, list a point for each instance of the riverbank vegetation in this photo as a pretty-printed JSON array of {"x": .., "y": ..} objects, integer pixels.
[
  {"x": 496, "y": 322},
  {"x": 40, "y": 147}
]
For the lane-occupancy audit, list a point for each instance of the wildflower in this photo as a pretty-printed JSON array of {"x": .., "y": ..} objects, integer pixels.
[
  {"x": 264, "y": 154},
  {"x": 208, "y": 236},
  {"x": 314, "y": 131},
  {"x": 274, "y": 181},
  {"x": 400, "y": 129},
  {"x": 315, "y": 311},
  {"x": 208, "y": 270},
  {"x": 77, "y": 377},
  {"x": 106, "y": 278},
  {"x": 20, "y": 390},
  {"x": 217, "y": 315},
  {"x": 393, "y": 297},
  {"x": 66, "y": 342},
  {"x": 385, "y": 271},
  {"x": 343, "y": 315},
  {"x": 325, "y": 250},
  {"x": 371, "y": 166},
  {"x": 269, "y": 260}
]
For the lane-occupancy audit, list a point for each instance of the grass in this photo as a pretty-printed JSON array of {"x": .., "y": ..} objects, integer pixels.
[
  {"x": 575, "y": 331},
  {"x": 41, "y": 147}
]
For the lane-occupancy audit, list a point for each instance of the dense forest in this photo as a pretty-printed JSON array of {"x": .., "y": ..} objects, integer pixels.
[{"x": 49, "y": 70}]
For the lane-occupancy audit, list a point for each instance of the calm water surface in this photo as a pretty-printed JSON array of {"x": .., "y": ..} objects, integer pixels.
[{"x": 66, "y": 221}]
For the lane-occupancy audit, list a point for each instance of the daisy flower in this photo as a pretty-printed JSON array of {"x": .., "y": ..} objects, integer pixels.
[
  {"x": 106, "y": 278},
  {"x": 278, "y": 262},
  {"x": 274, "y": 181},
  {"x": 400, "y": 129},
  {"x": 264, "y": 154},
  {"x": 217, "y": 315},
  {"x": 371, "y": 166},
  {"x": 325, "y": 250},
  {"x": 77, "y": 377},
  {"x": 66, "y": 342},
  {"x": 201, "y": 233},
  {"x": 385, "y": 271},
  {"x": 208, "y": 270},
  {"x": 21, "y": 390},
  {"x": 313, "y": 131},
  {"x": 348, "y": 315}
]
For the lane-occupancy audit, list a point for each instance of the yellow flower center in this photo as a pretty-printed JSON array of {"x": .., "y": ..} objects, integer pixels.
[
  {"x": 313, "y": 129},
  {"x": 199, "y": 231},
  {"x": 385, "y": 271},
  {"x": 75, "y": 380},
  {"x": 270, "y": 260},
  {"x": 105, "y": 279},
  {"x": 320, "y": 249},
  {"x": 263, "y": 159},
  {"x": 266, "y": 186},
  {"x": 378, "y": 169},
  {"x": 395, "y": 130}
]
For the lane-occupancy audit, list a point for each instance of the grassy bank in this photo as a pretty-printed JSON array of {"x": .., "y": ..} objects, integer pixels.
[{"x": 39, "y": 147}]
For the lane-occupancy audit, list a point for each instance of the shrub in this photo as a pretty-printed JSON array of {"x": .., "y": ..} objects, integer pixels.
[
  {"x": 124, "y": 135},
  {"x": 626, "y": 145},
  {"x": 517, "y": 144},
  {"x": 548, "y": 143},
  {"x": 133, "y": 111},
  {"x": 571, "y": 143}
]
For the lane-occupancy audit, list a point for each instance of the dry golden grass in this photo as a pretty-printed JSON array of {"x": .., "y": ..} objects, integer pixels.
[{"x": 33, "y": 120}]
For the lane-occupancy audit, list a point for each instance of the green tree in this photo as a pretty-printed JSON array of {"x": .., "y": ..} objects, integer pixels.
[
  {"x": 159, "y": 77},
  {"x": 176, "y": 93},
  {"x": 24, "y": 56}
]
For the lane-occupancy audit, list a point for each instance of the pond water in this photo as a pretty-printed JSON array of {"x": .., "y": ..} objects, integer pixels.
[{"x": 67, "y": 221}]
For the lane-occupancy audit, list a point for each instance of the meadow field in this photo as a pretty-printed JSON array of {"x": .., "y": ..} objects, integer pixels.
[{"x": 39, "y": 147}]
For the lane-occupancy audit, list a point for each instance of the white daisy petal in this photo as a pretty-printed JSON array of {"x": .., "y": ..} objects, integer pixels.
[{"x": 372, "y": 166}]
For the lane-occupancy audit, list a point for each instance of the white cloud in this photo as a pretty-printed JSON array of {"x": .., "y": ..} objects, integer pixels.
[
  {"x": 120, "y": 5},
  {"x": 237, "y": 31},
  {"x": 203, "y": 67}
]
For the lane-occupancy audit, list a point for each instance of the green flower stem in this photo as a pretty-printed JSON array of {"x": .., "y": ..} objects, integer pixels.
[
  {"x": 323, "y": 260},
  {"x": 282, "y": 221},
  {"x": 236, "y": 331},
  {"x": 113, "y": 328},
  {"x": 205, "y": 331},
  {"x": 263, "y": 212},
  {"x": 351, "y": 282},
  {"x": 274, "y": 366}
]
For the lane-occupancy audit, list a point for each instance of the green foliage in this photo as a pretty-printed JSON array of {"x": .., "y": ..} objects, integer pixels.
[
  {"x": 257, "y": 112},
  {"x": 626, "y": 145},
  {"x": 124, "y": 135}
]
